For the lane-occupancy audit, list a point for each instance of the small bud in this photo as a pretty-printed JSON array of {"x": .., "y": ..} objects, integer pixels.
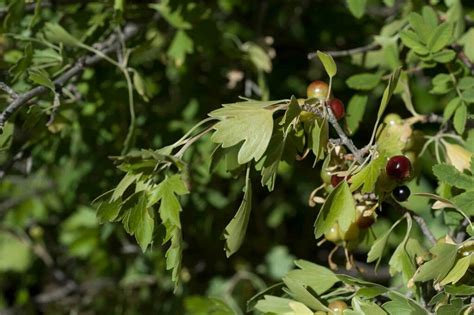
[{"x": 457, "y": 156}]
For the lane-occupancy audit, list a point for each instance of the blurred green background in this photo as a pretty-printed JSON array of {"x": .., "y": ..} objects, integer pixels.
[{"x": 55, "y": 258}]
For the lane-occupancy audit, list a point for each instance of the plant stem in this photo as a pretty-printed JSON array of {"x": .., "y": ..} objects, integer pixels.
[
  {"x": 342, "y": 135},
  {"x": 348, "y": 52}
]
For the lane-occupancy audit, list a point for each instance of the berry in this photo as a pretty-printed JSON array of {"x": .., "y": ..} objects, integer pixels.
[
  {"x": 365, "y": 222},
  {"x": 398, "y": 167},
  {"x": 392, "y": 119},
  {"x": 335, "y": 180},
  {"x": 326, "y": 176},
  {"x": 334, "y": 234},
  {"x": 337, "y": 107},
  {"x": 352, "y": 233},
  {"x": 401, "y": 193},
  {"x": 317, "y": 89},
  {"x": 337, "y": 307}
]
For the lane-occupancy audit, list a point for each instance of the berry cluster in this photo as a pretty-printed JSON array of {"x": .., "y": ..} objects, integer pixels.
[
  {"x": 399, "y": 168},
  {"x": 320, "y": 90}
]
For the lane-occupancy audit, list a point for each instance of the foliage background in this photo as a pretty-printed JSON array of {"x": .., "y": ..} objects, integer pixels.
[{"x": 60, "y": 259}]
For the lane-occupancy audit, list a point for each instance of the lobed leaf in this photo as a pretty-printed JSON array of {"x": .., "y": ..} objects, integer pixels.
[{"x": 249, "y": 122}]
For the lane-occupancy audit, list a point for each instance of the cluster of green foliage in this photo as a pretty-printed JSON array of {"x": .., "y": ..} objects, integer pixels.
[{"x": 105, "y": 211}]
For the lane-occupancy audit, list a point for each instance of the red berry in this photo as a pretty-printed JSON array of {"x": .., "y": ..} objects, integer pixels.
[
  {"x": 317, "y": 89},
  {"x": 337, "y": 107},
  {"x": 365, "y": 222},
  {"x": 398, "y": 167},
  {"x": 335, "y": 180}
]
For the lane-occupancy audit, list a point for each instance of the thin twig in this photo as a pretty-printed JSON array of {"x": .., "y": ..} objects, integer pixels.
[
  {"x": 342, "y": 135},
  {"x": 7, "y": 89},
  {"x": 109, "y": 45},
  {"x": 348, "y": 52}
]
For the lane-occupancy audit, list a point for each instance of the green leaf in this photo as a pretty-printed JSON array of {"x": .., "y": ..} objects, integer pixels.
[
  {"x": 200, "y": 305},
  {"x": 318, "y": 137},
  {"x": 450, "y": 175},
  {"x": 355, "y": 112},
  {"x": 249, "y": 122},
  {"x": 6, "y": 136},
  {"x": 174, "y": 253},
  {"x": 339, "y": 207},
  {"x": 126, "y": 181},
  {"x": 468, "y": 95},
  {"x": 175, "y": 18},
  {"x": 430, "y": 17},
  {"x": 451, "y": 108},
  {"x": 16, "y": 254},
  {"x": 366, "y": 307},
  {"x": 442, "y": 262},
  {"x": 387, "y": 94},
  {"x": 41, "y": 77},
  {"x": 108, "y": 211},
  {"x": 258, "y": 56},
  {"x": 411, "y": 40},
  {"x": 328, "y": 63},
  {"x": 368, "y": 175},
  {"x": 364, "y": 81},
  {"x": 460, "y": 290},
  {"x": 465, "y": 202},
  {"x": 118, "y": 5},
  {"x": 234, "y": 232},
  {"x": 272, "y": 158},
  {"x": 166, "y": 192},
  {"x": 57, "y": 34},
  {"x": 460, "y": 119},
  {"x": 376, "y": 251},
  {"x": 141, "y": 223},
  {"x": 401, "y": 261},
  {"x": 468, "y": 40},
  {"x": 458, "y": 271},
  {"x": 357, "y": 7},
  {"x": 466, "y": 83},
  {"x": 444, "y": 56},
  {"x": 400, "y": 304},
  {"x": 301, "y": 294},
  {"x": 274, "y": 304},
  {"x": 440, "y": 37},
  {"x": 418, "y": 24},
  {"x": 181, "y": 46},
  {"x": 317, "y": 277},
  {"x": 139, "y": 85}
]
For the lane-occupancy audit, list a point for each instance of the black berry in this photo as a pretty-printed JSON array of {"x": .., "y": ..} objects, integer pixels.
[{"x": 401, "y": 193}]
